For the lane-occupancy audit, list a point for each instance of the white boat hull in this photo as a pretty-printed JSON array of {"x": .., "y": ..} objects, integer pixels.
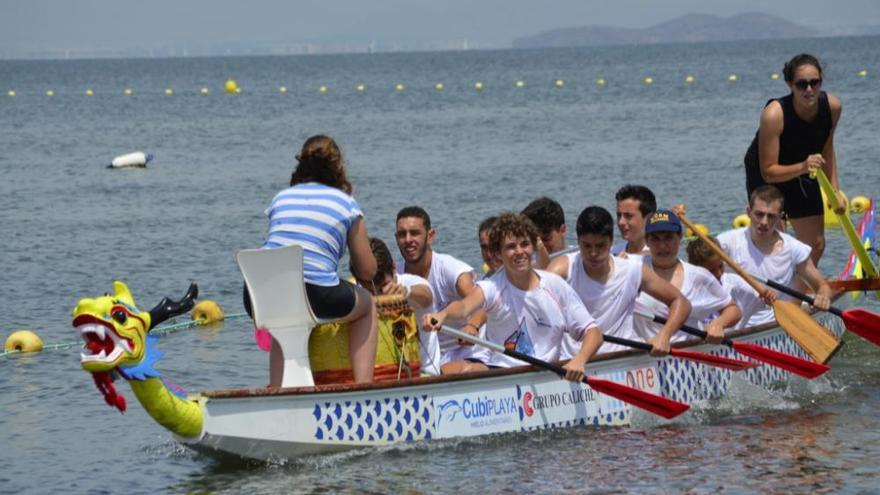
[{"x": 289, "y": 423}]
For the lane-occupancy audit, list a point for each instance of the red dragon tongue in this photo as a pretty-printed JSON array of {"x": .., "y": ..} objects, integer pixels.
[{"x": 105, "y": 385}]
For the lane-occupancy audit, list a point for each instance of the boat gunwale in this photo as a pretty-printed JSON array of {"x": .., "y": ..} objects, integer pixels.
[{"x": 336, "y": 388}]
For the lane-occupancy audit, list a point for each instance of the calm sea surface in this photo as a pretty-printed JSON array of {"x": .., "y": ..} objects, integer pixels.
[{"x": 70, "y": 227}]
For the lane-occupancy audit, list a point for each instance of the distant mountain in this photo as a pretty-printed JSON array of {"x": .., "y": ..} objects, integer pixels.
[{"x": 685, "y": 29}]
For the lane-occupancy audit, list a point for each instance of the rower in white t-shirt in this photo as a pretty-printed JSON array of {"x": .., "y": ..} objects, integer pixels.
[
  {"x": 706, "y": 295},
  {"x": 528, "y": 310},
  {"x": 762, "y": 249},
  {"x": 745, "y": 297},
  {"x": 609, "y": 285},
  {"x": 450, "y": 280}
]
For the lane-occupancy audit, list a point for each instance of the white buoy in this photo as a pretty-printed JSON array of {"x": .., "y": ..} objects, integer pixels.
[{"x": 137, "y": 159}]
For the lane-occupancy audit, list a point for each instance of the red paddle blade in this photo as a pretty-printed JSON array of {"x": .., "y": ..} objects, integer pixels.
[
  {"x": 717, "y": 361},
  {"x": 656, "y": 404},
  {"x": 863, "y": 323},
  {"x": 794, "y": 364}
]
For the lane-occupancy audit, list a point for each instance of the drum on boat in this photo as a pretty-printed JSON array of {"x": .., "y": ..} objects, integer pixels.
[{"x": 397, "y": 350}]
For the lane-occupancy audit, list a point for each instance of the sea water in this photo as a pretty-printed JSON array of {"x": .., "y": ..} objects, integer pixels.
[{"x": 71, "y": 226}]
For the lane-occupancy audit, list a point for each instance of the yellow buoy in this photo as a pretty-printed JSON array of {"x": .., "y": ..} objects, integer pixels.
[
  {"x": 23, "y": 341},
  {"x": 399, "y": 87},
  {"x": 649, "y": 80},
  {"x": 231, "y": 86},
  {"x": 169, "y": 91},
  {"x": 831, "y": 217},
  {"x": 439, "y": 86},
  {"x": 689, "y": 79},
  {"x": 207, "y": 312},
  {"x": 478, "y": 85},
  {"x": 127, "y": 92},
  {"x": 204, "y": 91},
  {"x": 699, "y": 227},
  {"x": 89, "y": 92},
  {"x": 600, "y": 82},
  {"x": 50, "y": 93},
  {"x": 485, "y": 268},
  {"x": 732, "y": 78},
  {"x": 560, "y": 83},
  {"x": 859, "y": 204},
  {"x": 282, "y": 89},
  {"x": 774, "y": 76},
  {"x": 741, "y": 221},
  {"x": 322, "y": 89},
  {"x": 520, "y": 84},
  {"x": 863, "y": 73},
  {"x": 11, "y": 92},
  {"x": 361, "y": 88}
]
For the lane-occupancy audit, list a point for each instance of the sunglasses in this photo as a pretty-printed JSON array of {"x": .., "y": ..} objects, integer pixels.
[{"x": 802, "y": 84}]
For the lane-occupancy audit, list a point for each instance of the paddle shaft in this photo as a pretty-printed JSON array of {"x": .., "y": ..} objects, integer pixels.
[
  {"x": 559, "y": 370},
  {"x": 696, "y": 332},
  {"x": 799, "y": 295}
]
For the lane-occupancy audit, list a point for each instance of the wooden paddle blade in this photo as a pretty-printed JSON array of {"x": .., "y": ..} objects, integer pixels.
[
  {"x": 863, "y": 323},
  {"x": 656, "y": 404},
  {"x": 817, "y": 340},
  {"x": 856, "y": 284},
  {"x": 794, "y": 364},
  {"x": 712, "y": 360}
]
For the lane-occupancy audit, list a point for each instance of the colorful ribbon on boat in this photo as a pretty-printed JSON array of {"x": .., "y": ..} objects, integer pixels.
[{"x": 868, "y": 237}]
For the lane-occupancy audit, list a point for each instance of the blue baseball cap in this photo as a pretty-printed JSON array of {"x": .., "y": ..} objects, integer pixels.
[{"x": 663, "y": 221}]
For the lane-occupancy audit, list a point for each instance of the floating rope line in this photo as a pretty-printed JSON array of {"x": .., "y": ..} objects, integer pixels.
[{"x": 160, "y": 330}]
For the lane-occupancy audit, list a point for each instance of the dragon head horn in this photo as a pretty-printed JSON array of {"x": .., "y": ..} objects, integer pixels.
[{"x": 121, "y": 292}]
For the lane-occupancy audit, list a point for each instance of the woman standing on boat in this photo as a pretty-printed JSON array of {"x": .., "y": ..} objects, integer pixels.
[
  {"x": 796, "y": 137},
  {"x": 528, "y": 310},
  {"x": 318, "y": 213}
]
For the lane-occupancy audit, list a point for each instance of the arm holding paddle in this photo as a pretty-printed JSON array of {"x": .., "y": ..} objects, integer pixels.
[
  {"x": 465, "y": 286},
  {"x": 807, "y": 270},
  {"x": 679, "y": 308}
]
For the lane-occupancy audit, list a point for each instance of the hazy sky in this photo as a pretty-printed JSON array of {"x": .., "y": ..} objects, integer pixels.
[{"x": 120, "y": 24}]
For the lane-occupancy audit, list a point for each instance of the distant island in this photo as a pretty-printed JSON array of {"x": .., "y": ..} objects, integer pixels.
[{"x": 690, "y": 28}]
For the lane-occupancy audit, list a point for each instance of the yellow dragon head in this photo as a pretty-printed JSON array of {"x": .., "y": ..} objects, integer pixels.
[{"x": 113, "y": 329}]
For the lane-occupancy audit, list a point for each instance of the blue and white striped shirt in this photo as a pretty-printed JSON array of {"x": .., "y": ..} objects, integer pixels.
[{"x": 318, "y": 218}]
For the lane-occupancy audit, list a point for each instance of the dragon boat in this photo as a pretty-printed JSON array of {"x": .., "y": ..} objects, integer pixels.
[{"x": 303, "y": 418}]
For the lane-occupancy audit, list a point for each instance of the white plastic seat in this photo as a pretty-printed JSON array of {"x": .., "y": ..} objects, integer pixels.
[{"x": 274, "y": 278}]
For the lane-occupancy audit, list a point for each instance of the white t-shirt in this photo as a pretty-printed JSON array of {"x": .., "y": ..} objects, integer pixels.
[
  {"x": 619, "y": 247},
  {"x": 701, "y": 288},
  {"x": 442, "y": 277},
  {"x": 534, "y": 321},
  {"x": 611, "y": 303},
  {"x": 781, "y": 266},
  {"x": 429, "y": 349},
  {"x": 743, "y": 295}
]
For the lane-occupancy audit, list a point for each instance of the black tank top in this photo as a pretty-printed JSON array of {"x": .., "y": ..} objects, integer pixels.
[{"x": 799, "y": 139}]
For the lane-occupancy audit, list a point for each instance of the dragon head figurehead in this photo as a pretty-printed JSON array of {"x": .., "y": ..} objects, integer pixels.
[
  {"x": 115, "y": 334},
  {"x": 113, "y": 328}
]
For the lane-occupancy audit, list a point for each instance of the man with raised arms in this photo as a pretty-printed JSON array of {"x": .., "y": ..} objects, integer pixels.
[
  {"x": 549, "y": 218},
  {"x": 450, "y": 280},
  {"x": 413, "y": 288},
  {"x": 764, "y": 250},
  {"x": 609, "y": 285},
  {"x": 528, "y": 310},
  {"x": 634, "y": 205}
]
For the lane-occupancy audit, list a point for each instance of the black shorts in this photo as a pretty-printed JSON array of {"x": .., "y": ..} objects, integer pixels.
[
  {"x": 326, "y": 302},
  {"x": 803, "y": 198}
]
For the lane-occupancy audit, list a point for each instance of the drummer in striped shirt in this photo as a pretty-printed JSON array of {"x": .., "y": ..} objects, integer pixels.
[{"x": 318, "y": 213}]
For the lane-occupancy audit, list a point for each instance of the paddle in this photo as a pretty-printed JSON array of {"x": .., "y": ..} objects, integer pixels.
[
  {"x": 861, "y": 322},
  {"x": 794, "y": 364},
  {"x": 656, "y": 404},
  {"x": 856, "y": 284},
  {"x": 817, "y": 340},
  {"x": 700, "y": 357}
]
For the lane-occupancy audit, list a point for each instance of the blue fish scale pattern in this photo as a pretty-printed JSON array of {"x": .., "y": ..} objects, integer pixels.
[
  {"x": 375, "y": 420},
  {"x": 688, "y": 381}
]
